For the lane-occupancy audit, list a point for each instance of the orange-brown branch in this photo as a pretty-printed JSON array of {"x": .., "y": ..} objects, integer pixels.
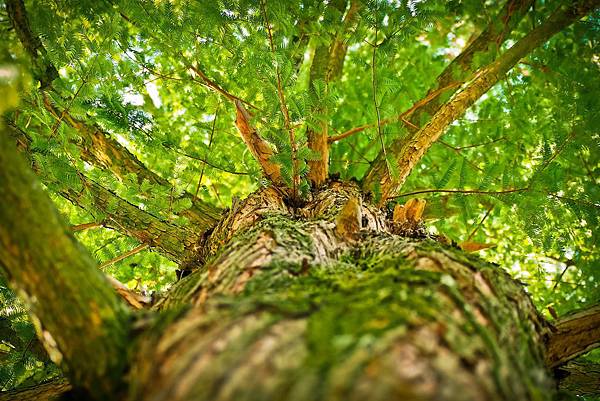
[
  {"x": 411, "y": 149},
  {"x": 259, "y": 148}
]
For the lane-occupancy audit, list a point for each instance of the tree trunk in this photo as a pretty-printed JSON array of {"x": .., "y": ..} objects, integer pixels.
[
  {"x": 291, "y": 307},
  {"x": 326, "y": 301},
  {"x": 329, "y": 300}
]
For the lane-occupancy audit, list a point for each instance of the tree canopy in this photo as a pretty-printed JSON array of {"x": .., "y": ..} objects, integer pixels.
[{"x": 144, "y": 120}]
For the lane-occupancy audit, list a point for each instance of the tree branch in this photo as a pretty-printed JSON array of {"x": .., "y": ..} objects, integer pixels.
[
  {"x": 402, "y": 117},
  {"x": 85, "y": 226},
  {"x": 65, "y": 292},
  {"x": 172, "y": 241},
  {"x": 453, "y": 76},
  {"x": 48, "y": 391},
  {"x": 580, "y": 378},
  {"x": 43, "y": 71},
  {"x": 411, "y": 149},
  {"x": 484, "y": 46},
  {"x": 260, "y": 149},
  {"x": 574, "y": 335},
  {"x": 133, "y": 299},
  {"x": 327, "y": 65},
  {"x": 462, "y": 191},
  {"x": 96, "y": 146}
]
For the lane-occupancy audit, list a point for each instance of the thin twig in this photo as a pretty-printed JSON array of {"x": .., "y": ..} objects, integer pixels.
[
  {"x": 400, "y": 117},
  {"x": 212, "y": 133},
  {"x": 135, "y": 250},
  {"x": 85, "y": 226},
  {"x": 374, "y": 85},
  {"x": 459, "y": 148},
  {"x": 559, "y": 279},
  {"x": 205, "y": 161},
  {"x": 480, "y": 223},
  {"x": 463, "y": 191},
  {"x": 283, "y": 106},
  {"x": 209, "y": 83},
  {"x": 66, "y": 110}
]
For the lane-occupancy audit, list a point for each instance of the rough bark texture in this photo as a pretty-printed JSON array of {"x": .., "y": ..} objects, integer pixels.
[
  {"x": 50, "y": 391},
  {"x": 325, "y": 301},
  {"x": 260, "y": 149},
  {"x": 286, "y": 308},
  {"x": 574, "y": 335},
  {"x": 581, "y": 378},
  {"x": 79, "y": 319},
  {"x": 43, "y": 71}
]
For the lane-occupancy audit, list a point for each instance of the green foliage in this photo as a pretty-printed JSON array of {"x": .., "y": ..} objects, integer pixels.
[
  {"x": 528, "y": 152},
  {"x": 22, "y": 358}
]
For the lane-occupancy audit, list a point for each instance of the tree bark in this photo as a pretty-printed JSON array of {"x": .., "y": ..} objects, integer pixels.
[
  {"x": 50, "y": 391},
  {"x": 285, "y": 305},
  {"x": 77, "y": 315},
  {"x": 574, "y": 335},
  {"x": 287, "y": 308}
]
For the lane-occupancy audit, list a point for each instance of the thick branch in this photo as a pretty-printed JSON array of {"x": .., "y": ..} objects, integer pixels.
[
  {"x": 78, "y": 317},
  {"x": 41, "y": 392},
  {"x": 96, "y": 146},
  {"x": 170, "y": 240},
  {"x": 575, "y": 334},
  {"x": 410, "y": 150},
  {"x": 453, "y": 76},
  {"x": 100, "y": 149},
  {"x": 259, "y": 148},
  {"x": 484, "y": 46},
  {"x": 327, "y": 65},
  {"x": 43, "y": 71},
  {"x": 580, "y": 378}
]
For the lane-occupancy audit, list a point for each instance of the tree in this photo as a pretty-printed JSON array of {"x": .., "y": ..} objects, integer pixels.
[{"x": 375, "y": 144}]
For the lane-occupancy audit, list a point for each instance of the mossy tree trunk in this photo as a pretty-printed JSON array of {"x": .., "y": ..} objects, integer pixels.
[
  {"x": 325, "y": 301},
  {"x": 321, "y": 302},
  {"x": 290, "y": 307}
]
